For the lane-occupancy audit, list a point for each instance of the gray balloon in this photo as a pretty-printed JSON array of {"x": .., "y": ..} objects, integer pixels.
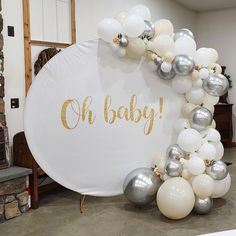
[
  {"x": 123, "y": 42},
  {"x": 166, "y": 76},
  {"x": 173, "y": 168},
  {"x": 183, "y": 32},
  {"x": 175, "y": 152},
  {"x": 203, "y": 205},
  {"x": 217, "y": 170},
  {"x": 149, "y": 31},
  {"x": 183, "y": 65},
  {"x": 200, "y": 118},
  {"x": 216, "y": 85},
  {"x": 141, "y": 186}
]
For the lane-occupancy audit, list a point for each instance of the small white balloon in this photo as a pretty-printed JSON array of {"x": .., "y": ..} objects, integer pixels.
[
  {"x": 121, "y": 16},
  {"x": 207, "y": 151},
  {"x": 214, "y": 55},
  {"x": 109, "y": 28},
  {"x": 195, "y": 96},
  {"x": 204, "y": 73},
  {"x": 185, "y": 45},
  {"x": 163, "y": 44},
  {"x": 197, "y": 83},
  {"x": 219, "y": 151},
  {"x": 181, "y": 124},
  {"x": 133, "y": 26},
  {"x": 189, "y": 140},
  {"x": 196, "y": 165},
  {"x": 181, "y": 84},
  {"x": 203, "y": 57},
  {"x": 166, "y": 67},
  {"x": 217, "y": 69},
  {"x": 164, "y": 26},
  {"x": 121, "y": 52},
  {"x": 142, "y": 11},
  {"x": 221, "y": 187},
  {"x": 203, "y": 185}
]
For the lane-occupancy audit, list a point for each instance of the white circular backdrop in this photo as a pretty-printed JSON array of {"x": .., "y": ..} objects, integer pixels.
[{"x": 72, "y": 132}]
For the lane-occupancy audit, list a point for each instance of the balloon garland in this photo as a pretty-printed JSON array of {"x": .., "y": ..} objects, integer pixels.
[{"x": 192, "y": 171}]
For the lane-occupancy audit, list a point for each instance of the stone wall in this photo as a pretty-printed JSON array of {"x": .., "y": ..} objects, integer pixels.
[{"x": 13, "y": 198}]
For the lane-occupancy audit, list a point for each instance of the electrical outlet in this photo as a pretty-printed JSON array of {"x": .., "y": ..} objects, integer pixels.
[
  {"x": 11, "y": 31},
  {"x": 14, "y": 103}
]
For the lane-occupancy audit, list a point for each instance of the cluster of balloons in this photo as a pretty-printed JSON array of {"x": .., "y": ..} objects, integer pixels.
[{"x": 192, "y": 173}]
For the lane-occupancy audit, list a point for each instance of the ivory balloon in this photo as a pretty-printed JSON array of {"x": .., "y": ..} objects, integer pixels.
[
  {"x": 216, "y": 68},
  {"x": 181, "y": 84},
  {"x": 203, "y": 185},
  {"x": 221, "y": 187},
  {"x": 187, "y": 108},
  {"x": 185, "y": 46},
  {"x": 164, "y": 26},
  {"x": 197, "y": 83},
  {"x": 133, "y": 26},
  {"x": 142, "y": 11},
  {"x": 195, "y": 75},
  {"x": 189, "y": 140},
  {"x": 196, "y": 166},
  {"x": 195, "y": 96},
  {"x": 186, "y": 174},
  {"x": 214, "y": 55},
  {"x": 207, "y": 151},
  {"x": 211, "y": 99},
  {"x": 209, "y": 106},
  {"x": 219, "y": 151},
  {"x": 135, "y": 48},
  {"x": 203, "y": 57},
  {"x": 109, "y": 28},
  {"x": 181, "y": 124},
  {"x": 121, "y": 16},
  {"x": 163, "y": 44},
  {"x": 175, "y": 198}
]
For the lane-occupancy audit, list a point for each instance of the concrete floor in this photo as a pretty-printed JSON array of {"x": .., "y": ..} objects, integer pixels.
[{"x": 59, "y": 215}]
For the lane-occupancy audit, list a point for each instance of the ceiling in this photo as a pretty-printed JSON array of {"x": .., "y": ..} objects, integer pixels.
[{"x": 207, "y": 5}]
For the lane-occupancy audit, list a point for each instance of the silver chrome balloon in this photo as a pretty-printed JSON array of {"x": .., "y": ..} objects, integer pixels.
[
  {"x": 216, "y": 85},
  {"x": 123, "y": 42},
  {"x": 200, "y": 118},
  {"x": 173, "y": 168},
  {"x": 158, "y": 62},
  {"x": 183, "y": 32},
  {"x": 175, "y": 152},
  {"x": 141, "y": 186},
  {"x": 166, "y": 75},
  {"x": 149, "y": 31},
  {"x": 217, "y": 170},
  {"x": 183, "y": 65},
  {"x": 203, "y": 205}
]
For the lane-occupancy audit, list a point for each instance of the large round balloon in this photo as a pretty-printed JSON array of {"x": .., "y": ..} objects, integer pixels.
[{"x": 91, "y": 118}]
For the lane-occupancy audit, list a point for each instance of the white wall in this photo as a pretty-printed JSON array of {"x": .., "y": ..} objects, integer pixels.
[
  {"x": 216, "y": 29},
  {"x": 88, "y": 14}
]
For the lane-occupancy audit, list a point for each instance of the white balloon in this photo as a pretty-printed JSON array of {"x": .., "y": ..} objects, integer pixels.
[
  {"x": 181, "y": 84},
  {"x": 196, "y": 165},
  {"x": 166, "y": 67},
  {"x": 214, "y": 55},
  {"x": 164, "y": 26},
  {"x": 216, "y": 68},
  {"x": 115, "y": 47},
  {"x": 108, "y": 29},
  {"x": 211, "y": 99},
  {"x": 204, "y": 73},
  {"x": 121, "y": 16},
  {"x": 207, "y": 151},
  {"x": 163, "y": 44},
  {"x": 187, "y": 108},
  {"x": 203, "y": 185},
  {"x": 175, "y": 198},
  {"x": 195, "y": 96},
  {"x": 221, "y": 187},
  {"x": 189, "y": 140},
  {"x": 141, "y": 11},
  {"x": 203, "y": 57},
  {"x": 211, "y": 135},
  {"x": 219, "y": 151},
  {"x": 181, "y": 124},
  {"x": 133, "y": 26},
  {"x": 185, "y": 45},
  {"x": 197, "y": 83},
  {"x": 121, "y": 52},
  {"x": 213, "y": 124}
]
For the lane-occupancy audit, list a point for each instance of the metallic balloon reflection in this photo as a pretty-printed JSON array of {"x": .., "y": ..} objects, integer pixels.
[
  {"x": 216, "y": 85},
  {"x": 203, "y": 206},
  {"x": 123, "y": 42},
  {"x": 173, "y": 168},
  {"x": 141, "y": 186},
  {"x": 175, "y": 152},
  {"x": 217, "y": 170},
  {"x": 149, "y": 31},
  {"x": 166, "y": 75},
  {"x": 200, "y": 118},
  {"x": 183, "y": 32},
  {"x": 183, "y": 65}
]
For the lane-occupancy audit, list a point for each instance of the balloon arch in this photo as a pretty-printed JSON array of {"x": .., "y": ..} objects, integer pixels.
[{"x": 191, "y": 174}]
